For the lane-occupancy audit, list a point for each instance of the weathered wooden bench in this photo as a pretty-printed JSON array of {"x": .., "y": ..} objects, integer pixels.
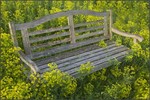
[{"x": 75, "y": 45}]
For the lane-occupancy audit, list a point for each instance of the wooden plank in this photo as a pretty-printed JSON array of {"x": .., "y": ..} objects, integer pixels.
[
  {"x": 83, "y": 54},
  {"x": 105, "y": 26},
  {"x": 48, "y": 30},
  {"x": 88, "y": 23},
  {"x": 13, "y": 33},
  {"x": 71, "y": 53},
  {"x": 47, "y": 44},
  {"x": 56, "y": 15},
  {"x": 26, "y": 44},
  {"x": 100, "y": 55},
  {"x": 59, "y": 62},
  {"x": 96, "y": 63},
  {"x": 87, "y": 56},
  {"x": 98, "y": 67},
  {"x": 134, "y": 36},
  {"x": 71, "y": 28},
  {"x": 110, "y": 23},
  {"x": 90, "y": 58},
  {"x": 89, "y": 34},
  {"x": 67, "y": 47},
  {"x": 89, "y": 29},
  {"x": 37, "y": 39}
]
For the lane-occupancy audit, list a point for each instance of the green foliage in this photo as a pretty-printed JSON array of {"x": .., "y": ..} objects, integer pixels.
[
  {"x": 142, "y": 88},
  {"x": 89, "y": 88},
  {"x": 85, "y": 68},
  {"x": 9, "y": 60},
  {"x": 118, "y": 42},
  {"x": 11, "y": 76},
  {"x": 119, "y": 91},
  {"x": 116, "y": 71},
  {"x": 20, "y": 90},
  {"x": 52, "y": 66},
  {"x": 102, "y": 44},
  {"x": 53, "y": 85}
]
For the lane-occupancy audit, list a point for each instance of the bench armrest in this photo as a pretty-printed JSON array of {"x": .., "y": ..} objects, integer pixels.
[
  {"x": 28, "y": 62},
  {"x": 134, "y": 36}
]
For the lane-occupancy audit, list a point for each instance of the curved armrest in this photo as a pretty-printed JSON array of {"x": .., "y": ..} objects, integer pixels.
[
  {"x": 29, "y": 62},
  {"x": 134, "y": 36}
]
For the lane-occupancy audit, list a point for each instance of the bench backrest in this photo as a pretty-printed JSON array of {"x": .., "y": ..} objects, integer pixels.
[{"x": 41, "y": 43}]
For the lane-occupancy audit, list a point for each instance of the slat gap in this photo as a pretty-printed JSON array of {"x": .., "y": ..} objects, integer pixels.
[
  {"x": 37, "y": 39},
  {"x": 89, "y": 29},
  {"x": 48, "y": 30},
  {"x": 90, "y": 34},
  {"x": 88, "y": 23}
]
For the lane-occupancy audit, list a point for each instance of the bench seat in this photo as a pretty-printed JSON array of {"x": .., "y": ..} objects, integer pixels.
[{"x": 99, "y": 57}]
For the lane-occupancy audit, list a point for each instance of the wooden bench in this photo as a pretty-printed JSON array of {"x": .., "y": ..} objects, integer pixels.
[{"x": 71, "y": 45}]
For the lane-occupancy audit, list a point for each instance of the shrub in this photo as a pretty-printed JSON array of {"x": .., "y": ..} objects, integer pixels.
[{"x": 53, "y": 84}]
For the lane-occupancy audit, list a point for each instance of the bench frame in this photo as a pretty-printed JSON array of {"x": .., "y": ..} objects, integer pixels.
[{"x": 23, "y": 27}]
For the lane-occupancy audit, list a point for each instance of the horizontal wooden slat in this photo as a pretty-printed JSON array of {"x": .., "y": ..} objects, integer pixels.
[
  {"x": 67, "y": 60},
  {"x": 98, "y": 62},
  {"x": 37, "y": 39},
  {"x": 56, "y": 15},
  {"x": 71, "y": 53},
  {"x": 88, "y": 23},
  {"x": 47, "y": 44},
  {"x": 99, "y": 66},
  {"x": 83, "y": 54},
  {"x": 72, "y": 68},
  {"x": 94, "y": 54},
  {"x": 68, "y": 47},
  {"x": 88, "y": 29},
  {"x": 48, "y": 30},
  {"x": 97, "y": 56},
  {"x": 89, "y": 34}
]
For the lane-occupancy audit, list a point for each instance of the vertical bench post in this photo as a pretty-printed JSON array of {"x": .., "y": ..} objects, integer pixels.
[
  {"x": 13, "y": 33},
  {"x": 105, "y": 26},
  {"x": 26, "y": 43},
  {"x": 71, "y": 28},
  {"x": 110, "y": 23}
]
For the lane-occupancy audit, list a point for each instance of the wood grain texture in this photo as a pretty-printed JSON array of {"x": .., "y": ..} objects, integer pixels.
[{"x": 71, "y": 29}]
